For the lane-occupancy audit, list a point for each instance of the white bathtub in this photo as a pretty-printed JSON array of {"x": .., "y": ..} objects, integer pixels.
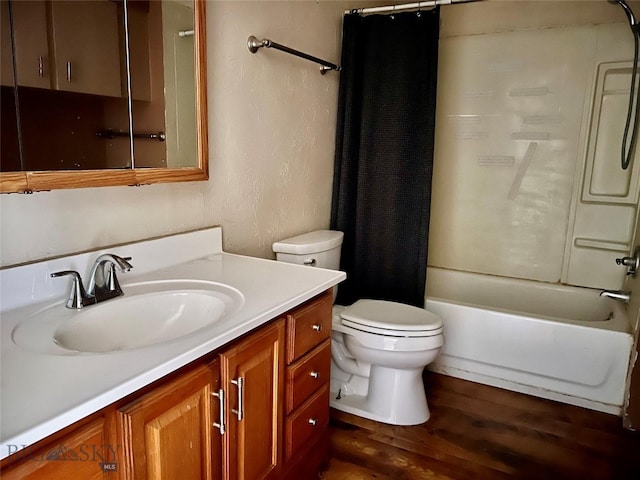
[{"x": 552, "y": 341}]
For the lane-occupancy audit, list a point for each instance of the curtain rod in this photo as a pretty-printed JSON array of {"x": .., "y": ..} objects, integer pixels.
[
  {"x": 405, "y": 6},
  {"x": 254, "y": 44}
]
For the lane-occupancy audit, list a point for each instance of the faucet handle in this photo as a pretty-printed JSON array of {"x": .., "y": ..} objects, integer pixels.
[
  {"x": 78, "y": 297},
  {"x": 122, "y": 262},
  {"x": 632, "y": 263}
]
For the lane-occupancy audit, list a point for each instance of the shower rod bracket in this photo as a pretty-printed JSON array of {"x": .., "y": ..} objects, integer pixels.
[{"x": 254, "y": 45}]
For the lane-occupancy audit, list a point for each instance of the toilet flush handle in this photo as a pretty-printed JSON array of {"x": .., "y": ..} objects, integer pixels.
[{"x": 310, "y": 262}]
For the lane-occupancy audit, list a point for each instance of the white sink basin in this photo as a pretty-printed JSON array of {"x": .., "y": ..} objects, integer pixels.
[{"x": 149, "y": 313}]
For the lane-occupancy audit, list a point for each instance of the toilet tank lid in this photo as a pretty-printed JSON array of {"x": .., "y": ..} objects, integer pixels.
[{"x": 312, "y": 242}]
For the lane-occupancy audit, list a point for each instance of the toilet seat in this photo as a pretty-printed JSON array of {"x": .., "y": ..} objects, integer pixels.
[{"x": 391, "y": 319}]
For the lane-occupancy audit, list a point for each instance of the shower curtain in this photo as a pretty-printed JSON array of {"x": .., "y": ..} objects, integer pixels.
[{"x": 384, "y": 154}]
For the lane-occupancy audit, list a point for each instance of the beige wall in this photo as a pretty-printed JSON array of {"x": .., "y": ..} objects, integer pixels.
[
  {"x": 272, "y": 123},
  {"x": 272, "y": 120}
]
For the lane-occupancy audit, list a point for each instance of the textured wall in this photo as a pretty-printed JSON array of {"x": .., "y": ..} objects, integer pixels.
[
  {"x": 272, "y": 121},
  {"x": 271, "y": 136}
]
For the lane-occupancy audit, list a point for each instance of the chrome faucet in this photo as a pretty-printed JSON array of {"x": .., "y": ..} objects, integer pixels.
[
  {"x": 103, "y": 283},
  {"x": 623, "y": 296}
]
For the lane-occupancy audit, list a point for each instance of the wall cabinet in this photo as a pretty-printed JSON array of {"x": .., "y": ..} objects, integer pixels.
[
  {"x": 256, "y": 409},
  {"x": 83, "y": 39},
  {"x": 31, "y": 44}
]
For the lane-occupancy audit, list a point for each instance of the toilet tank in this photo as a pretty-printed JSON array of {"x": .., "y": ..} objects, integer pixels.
[{"x": 320, "y": 248}]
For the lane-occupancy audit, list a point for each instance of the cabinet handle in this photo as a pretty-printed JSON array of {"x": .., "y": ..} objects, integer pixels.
[
  {"x": 69, "y": 71},
  {"x": 314, "y": 374},
  {"x": 220, "y": 426},
  {"x": 240, "y": 384},
  {"x": 41, "y": 66},
  {"x": 313, "y": 422},
  {"x": 317, "y": 328}
]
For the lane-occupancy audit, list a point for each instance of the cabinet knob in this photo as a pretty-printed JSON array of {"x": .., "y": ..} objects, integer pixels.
[
  {"x": 313, "y": 422},
  {"x": 314, "y": 374},
  {"x": 317, "y": 327}
]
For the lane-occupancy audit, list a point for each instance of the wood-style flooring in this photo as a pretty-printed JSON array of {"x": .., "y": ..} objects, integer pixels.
[{"x": 477, "y": 431}]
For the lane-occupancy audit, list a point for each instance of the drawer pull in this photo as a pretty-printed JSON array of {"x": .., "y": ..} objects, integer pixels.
[
  {"x": 240, "y": 384},
  {"x": 313, "y": 422},
  {"x": 314, "y": 374},
  {"x": 317, "y": 327},
  {"x": 220, "y": 395}
]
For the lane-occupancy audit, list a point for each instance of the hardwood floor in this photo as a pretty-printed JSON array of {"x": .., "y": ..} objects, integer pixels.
[{"x": 481, "y": 432}]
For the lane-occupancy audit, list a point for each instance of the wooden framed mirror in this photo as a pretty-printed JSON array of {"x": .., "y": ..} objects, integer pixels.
[{"x": 136, "y": 115}]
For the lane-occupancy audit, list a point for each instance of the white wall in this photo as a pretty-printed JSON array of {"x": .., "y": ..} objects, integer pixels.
[{"x": 271, "y": 133}]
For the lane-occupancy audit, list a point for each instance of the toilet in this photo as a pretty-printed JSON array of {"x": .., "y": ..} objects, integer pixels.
[{"x": 379, "y": 349}]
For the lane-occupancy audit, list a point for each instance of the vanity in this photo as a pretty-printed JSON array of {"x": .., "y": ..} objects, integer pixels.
[{"x": 245, "y": 396}]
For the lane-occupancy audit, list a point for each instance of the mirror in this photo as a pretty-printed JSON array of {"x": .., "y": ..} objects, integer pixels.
[
  {"x": 104, "y": 92},
  {"x": 9, "y": 150}
]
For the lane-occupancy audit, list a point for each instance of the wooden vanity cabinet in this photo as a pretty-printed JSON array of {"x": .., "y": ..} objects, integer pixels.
[
  {"x": 253, "y": 377},
  {"x": 168, "y": 433},
  {"x": 307, "y": 388},
  {"x": 79, "y": 454},
  {"x": 275, "y": 415}
]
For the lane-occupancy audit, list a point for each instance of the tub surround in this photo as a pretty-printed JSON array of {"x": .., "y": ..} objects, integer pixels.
[{"x": 77, "y": 385}]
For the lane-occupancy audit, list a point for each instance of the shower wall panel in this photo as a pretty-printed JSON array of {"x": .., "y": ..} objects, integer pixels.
[{"x": 513, "y": 124}]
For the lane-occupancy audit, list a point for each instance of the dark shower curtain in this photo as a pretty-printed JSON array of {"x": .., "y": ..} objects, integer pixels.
[{"x": 384, "y": 154}]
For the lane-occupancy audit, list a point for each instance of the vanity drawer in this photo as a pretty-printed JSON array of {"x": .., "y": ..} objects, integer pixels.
[
  {"x": 307, "y": 374},
  {"x": 309, "y": 326},
  {"x": 309, "y": 419}
]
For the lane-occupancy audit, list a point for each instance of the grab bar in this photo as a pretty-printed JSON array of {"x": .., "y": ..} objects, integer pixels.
[{"x": 160, "y": 136}]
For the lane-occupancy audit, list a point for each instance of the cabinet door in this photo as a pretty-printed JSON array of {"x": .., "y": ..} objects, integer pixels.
[
  {"x": 168, "y": 433},
  {"x": 80, "y": 455},
  {"x": 31, "y": 44},
  {"x": 253, "y": 372},
  {"x": 86, "y": 45}
]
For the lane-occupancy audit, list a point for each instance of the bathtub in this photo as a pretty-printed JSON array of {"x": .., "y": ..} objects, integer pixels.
[{"x": 553, "y": 341}]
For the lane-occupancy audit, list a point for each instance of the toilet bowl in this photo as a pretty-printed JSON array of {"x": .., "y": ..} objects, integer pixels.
[{"x": 379, "y": 349}]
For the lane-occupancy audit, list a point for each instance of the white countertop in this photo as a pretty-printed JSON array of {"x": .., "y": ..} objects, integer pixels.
[{"x": 41, "y": 394}]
